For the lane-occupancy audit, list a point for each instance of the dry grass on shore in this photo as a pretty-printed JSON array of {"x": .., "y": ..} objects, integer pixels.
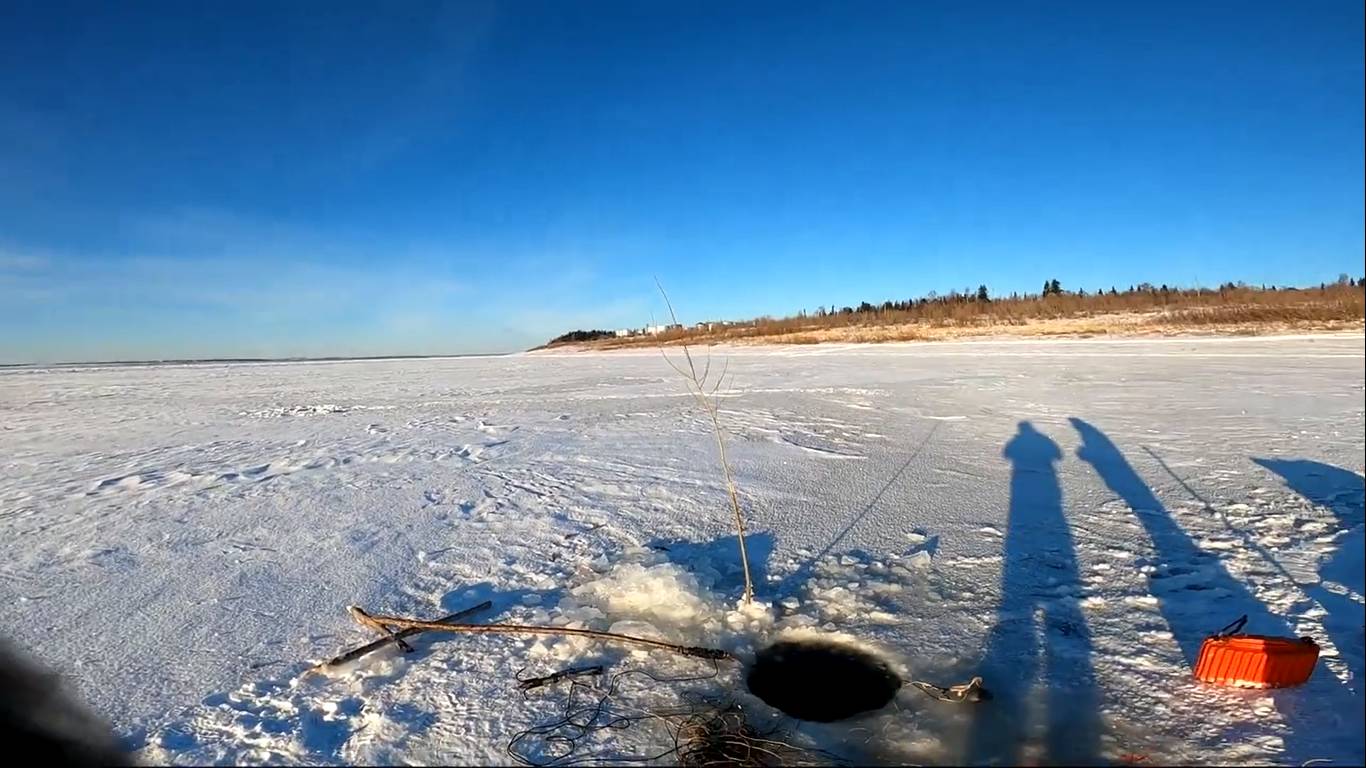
[{"x": 1237, "y": 311}]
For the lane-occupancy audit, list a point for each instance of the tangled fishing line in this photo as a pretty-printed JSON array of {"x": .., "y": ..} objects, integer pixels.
[{"x": 699, "y": 731}]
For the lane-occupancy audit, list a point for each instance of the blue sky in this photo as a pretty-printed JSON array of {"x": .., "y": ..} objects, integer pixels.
[{"x": 235, "y": 179}]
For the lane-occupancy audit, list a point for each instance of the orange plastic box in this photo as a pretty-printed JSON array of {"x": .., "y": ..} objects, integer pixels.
[{"x": 1256, "y": 661}]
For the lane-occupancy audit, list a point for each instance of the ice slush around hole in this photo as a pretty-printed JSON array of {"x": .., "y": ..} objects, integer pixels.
[{"x": 819, "y": 681}]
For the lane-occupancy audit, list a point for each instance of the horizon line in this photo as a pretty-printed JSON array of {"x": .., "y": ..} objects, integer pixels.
[{"x": 204, "y": 360}]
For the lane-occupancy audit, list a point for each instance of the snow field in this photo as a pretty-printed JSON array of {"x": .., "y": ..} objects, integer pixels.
[{"x": 1066, "y": 519}]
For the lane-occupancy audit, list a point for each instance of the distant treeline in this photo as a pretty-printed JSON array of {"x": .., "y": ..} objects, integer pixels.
[
  {"x": 1229, "y": 303},
  {"x": 1054, "y": 300},
  {"x": 573, "y": 336}
]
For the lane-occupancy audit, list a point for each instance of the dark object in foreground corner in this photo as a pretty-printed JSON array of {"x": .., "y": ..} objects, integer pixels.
[{"x": 39, "y": 719}]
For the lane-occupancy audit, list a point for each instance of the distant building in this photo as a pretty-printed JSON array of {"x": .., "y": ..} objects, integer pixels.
[
  {"x": 620, "y": 332},
  {"x": 654, "y": 330}
]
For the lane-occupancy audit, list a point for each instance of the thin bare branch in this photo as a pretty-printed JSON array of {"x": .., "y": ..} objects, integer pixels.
[
  {"x": 725, "y": 368},
  {"x": 531, "y": 629},
  {"x": 673, "y": 365},
  {"x": 697, "y": 387},
  {"x": 356, "y": 653}
]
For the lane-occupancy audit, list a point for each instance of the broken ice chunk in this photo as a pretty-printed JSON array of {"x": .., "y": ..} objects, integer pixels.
[{"x": 920, "y": 559}]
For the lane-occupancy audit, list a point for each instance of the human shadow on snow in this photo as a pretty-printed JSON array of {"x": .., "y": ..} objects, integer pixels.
[
  {"x": 1340, "y": 492},
  {"x": 1196, "y": 594},
  {"x": 1040, "y": 645}
]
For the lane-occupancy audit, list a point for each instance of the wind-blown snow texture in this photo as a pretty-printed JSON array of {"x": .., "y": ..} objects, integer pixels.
[{"x": 1068, "y": 519}]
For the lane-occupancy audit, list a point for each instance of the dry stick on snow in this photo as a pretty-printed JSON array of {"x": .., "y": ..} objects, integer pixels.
[
  {"x": 697, "y": 387},
  {"x": 397, "y": 637},
  {"x": 389, "y": 634},
  {"x": 694, "y": 651}
]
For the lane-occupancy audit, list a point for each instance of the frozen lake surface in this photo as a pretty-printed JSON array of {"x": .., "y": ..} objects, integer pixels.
[{"x": 1066, "y": 519}]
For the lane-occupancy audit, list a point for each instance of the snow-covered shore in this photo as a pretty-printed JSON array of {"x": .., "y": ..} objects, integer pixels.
[{"x": 1067, "y": 519}]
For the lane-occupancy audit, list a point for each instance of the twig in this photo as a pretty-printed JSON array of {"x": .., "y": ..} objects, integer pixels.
[
  {"x": 364, "y": 621},
  {"x": 708, "y": 403},
  {"x": 356, "y": 653},
  {"x": 698, "y": 652},
  {"x": 555, "y": 677}
]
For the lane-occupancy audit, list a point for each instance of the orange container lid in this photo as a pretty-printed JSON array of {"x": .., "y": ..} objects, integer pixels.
[{"x": 1256, "y": 661}]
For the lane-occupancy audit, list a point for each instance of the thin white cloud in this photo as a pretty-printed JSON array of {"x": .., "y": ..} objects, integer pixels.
[
  {"x": 15, "y": 260},
  {"x": 208, "y": 282}
]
